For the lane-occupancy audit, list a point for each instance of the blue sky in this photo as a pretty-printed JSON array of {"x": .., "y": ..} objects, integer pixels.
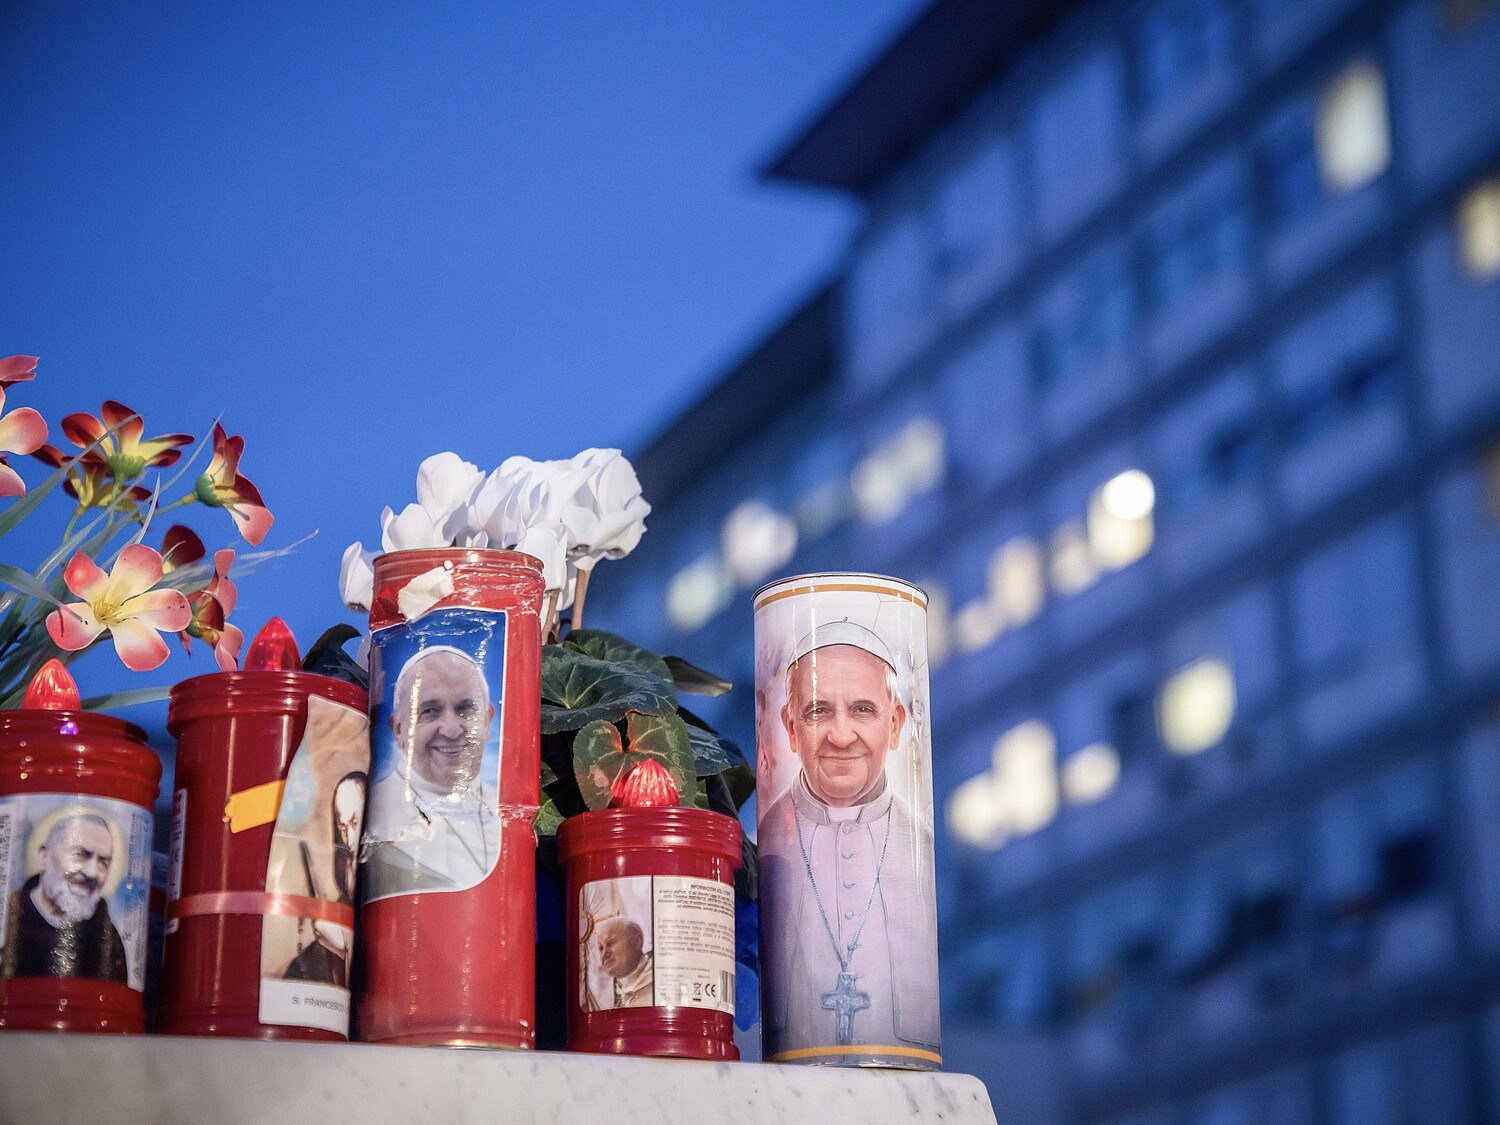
[{"x": 366, "y": 233}]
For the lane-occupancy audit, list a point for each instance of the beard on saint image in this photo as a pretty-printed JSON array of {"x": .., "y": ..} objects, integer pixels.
[
  {"x": 76, "y": 862},
  {"x": 76, "y": 896}
]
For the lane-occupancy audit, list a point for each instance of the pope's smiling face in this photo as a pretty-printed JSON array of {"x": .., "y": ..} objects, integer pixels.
[
  {"x": 443, "y": 721},
  {"x": 842, "y": 720}
]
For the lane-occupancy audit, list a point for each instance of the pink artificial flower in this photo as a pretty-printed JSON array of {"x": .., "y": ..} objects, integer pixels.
[
  {"x": 17, "y": 369},
  {"x": 21, "y": 431},
  {"x": 180, "y": 547},
  {"x": 122, "y": 602},
  {"x": 225, "y": 592},
  {"x": 210, "y": 606},
  {"x": 124, "y": 451},
  {"x": 208, "y": 625},
  {"x": 89, "y": 481},
  {"x": 222, "y": 486}
]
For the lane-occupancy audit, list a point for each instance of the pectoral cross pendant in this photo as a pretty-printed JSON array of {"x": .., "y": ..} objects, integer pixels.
[{"x": 846, "y": 1000}]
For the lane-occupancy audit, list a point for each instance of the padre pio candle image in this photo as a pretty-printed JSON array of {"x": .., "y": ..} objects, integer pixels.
[
  {"x": 447, "y": 867},
  {"x": 848, "y": 901},
  {"x": 76, "y": 790}
]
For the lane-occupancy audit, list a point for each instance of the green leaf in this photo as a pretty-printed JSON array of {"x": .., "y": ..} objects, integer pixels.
[
  {"x": 617, "y": 650},
  {"x": 747, "y": 878},
  {"x": 336, "y": 636},
  {"x": 579, "y": 689},
  {"x": 740, "y": 780},
  {"x": 665, "y": 738},
  {"x": 549, "y": 775},
  {"x": 547, "y": 819},
  {"x": 34, "y": 496},
  {"x": 132, "y": 698},
  {"x": 598, "y": 759},
  {"x": 694, "y": 680},
  {"x": 709, "y": 753},
  {"x": 18, "y": 580}
]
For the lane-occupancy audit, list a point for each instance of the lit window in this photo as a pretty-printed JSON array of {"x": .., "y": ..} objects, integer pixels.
[
  {"x": 1016, "y": 581},
  {"x": 1128, "y": 496},
  {"x": 1353, "y": 131},
  {"x": 1121, "y": 527},
  {"x": 976, "y": 813},
  {"x": 1090, "y": 774},
  {"x": 977, "y": 624},
  {"x": 1196, "y": 707},
  {"x": 756, "y": 540},
  {"x": 1072, "y": 567},
  {"x": 908, "y": 465},
  {"x": 1479, "y": 230},
  {"x": 820, "y": 507},
  {"x": 697, "y": 592},
  {"x": 1025, "y": 766},
  {"x": 939, "y": 621},
  {"x": 1017, "y": 796}
]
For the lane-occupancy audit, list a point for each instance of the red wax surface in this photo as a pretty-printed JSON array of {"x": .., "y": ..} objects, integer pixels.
[
  {"x": 616, "y": 844},
  {"x": 458, "y": 967},
  {"x": 45, "y": 751},
  {"x": 234, "y": 731}
]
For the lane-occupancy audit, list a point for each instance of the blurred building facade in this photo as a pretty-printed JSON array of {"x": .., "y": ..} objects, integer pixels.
[{"x": 1167, "y": 359}]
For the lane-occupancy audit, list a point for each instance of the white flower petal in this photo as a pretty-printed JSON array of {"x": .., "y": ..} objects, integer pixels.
[
  {"x": 412, "y": 530},
  {"x": 546, "y": 543},
  {"x": 445, "y": 485},
  {"x": 357, "y": 577}
]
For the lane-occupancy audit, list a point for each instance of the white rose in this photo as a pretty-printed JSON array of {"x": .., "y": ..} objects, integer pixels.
[
  {"x": 445, "y": 485},
  {"x": 357, "y": 577}
]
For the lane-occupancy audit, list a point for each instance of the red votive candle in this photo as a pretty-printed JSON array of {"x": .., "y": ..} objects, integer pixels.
[
  {"x": 447, "y": 871},
  {"x": 76, "y": 791},
  {"x": 650, "y": 930},
  {"x": 272, "y": 775}
]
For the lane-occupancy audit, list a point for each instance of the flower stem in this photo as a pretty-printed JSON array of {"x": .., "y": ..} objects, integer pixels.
[
  {"x": 549, "y": 623},
  {"x": 583, "y": 585}
]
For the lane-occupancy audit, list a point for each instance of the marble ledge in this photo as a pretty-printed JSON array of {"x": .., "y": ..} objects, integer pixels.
[{"x": 46, "y": 1079}]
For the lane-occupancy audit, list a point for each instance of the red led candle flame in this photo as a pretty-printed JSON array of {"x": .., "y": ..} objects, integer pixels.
[
  {"x": 645, "y": 785},
  {"x": 273, "y": 650},
  {"x": 51, "y": 689}
]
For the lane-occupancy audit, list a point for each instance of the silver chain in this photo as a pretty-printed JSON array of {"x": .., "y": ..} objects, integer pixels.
[{"x": 844, "y": 957}]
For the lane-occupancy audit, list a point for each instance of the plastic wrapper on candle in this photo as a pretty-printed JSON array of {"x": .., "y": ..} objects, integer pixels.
[
  {"x": 447, "y": 871},
  {"x": 650, "y": 964},
  {"x": 272, "y": 771},
  {"x": 848, "y": 909},
  {"x": 76, "y": 791}
]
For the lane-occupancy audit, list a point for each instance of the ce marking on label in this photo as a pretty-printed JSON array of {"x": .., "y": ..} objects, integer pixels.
[{"x": 702, "y": 990}]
